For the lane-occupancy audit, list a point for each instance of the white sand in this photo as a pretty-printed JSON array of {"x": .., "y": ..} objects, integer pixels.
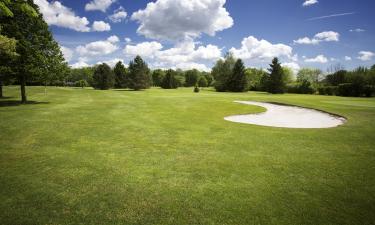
[{"x": 288, "y": 117}]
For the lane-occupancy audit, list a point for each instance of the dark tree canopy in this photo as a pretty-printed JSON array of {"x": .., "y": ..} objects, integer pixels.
[
  {"x": 202, "y": 82},
  {"x": 238, "y": 80},
  {"x": 170, "y": 81},
  {"x": 222, "y": 71},
  {"x": 276, "y": 83},
  {"x": 121, "y": 75},
  {"x": 191, "y": 78},
  {"x": 157, "y": 77},
  {"x": 103, "y": 78},
  {"x": 139, "y": 74}
]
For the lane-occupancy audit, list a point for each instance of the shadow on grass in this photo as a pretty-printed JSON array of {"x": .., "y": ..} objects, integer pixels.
[
  {"x": 18, "y": 103},
  {"x": 130, "y": 90}
]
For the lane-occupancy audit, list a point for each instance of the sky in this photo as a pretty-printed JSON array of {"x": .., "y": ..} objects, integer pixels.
[{"x": 190, "y": 34}]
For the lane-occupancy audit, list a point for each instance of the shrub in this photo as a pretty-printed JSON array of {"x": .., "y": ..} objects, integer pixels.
[
  {"x": 328, "y": 90},
  {"x": 345, "y": 89},
  {"x": 369, "y": 90},
  {"x": 304, "y": 87},
  {"x": 81, "y": 83},
  {"x": 196, "y": 89}
]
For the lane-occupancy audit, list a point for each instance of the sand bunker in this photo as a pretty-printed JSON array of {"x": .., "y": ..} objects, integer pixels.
[{"x": 288, "y": 117}]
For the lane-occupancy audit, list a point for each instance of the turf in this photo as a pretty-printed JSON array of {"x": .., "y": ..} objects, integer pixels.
[{"x": 80, "y": 156}]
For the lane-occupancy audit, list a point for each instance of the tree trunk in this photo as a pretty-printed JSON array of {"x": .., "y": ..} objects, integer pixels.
[
  {"x": 1, "y": 89},
  {"x": 23, "y": 89}
]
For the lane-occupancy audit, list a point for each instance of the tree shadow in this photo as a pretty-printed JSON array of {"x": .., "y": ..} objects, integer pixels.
[
  {"x": 130, "y": 90},
  {"x": 4, "y": 97},
  {"x": 19, "y": 103}
]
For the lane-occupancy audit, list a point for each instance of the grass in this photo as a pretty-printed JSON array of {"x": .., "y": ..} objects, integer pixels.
[{"x": 82, "y": 156}]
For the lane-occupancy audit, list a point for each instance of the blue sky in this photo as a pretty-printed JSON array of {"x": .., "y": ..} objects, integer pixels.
[{"x": 195, "y": 33}]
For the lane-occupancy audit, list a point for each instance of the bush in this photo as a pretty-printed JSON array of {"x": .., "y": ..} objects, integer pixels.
[
  {"x": 196, "y": 89},
  {"x": 328, "y": 90},
  {"x": 81, "y": 83},
  {"x": 369, "y": 90},
  {"x": 346, "y": 90},
  {"x": 304, "y": 87}
]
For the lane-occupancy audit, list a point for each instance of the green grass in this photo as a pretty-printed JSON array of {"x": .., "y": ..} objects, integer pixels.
[{"x": 168, "y": 157}]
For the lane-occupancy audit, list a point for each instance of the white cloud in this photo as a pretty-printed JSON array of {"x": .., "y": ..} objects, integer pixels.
[
  {"x": 67, "y": 52},
  {"x": 348, "y": 58},
  {"x": 128, "y": 40},
  {"x": 97, "y": 48},
  {"x": 317, "y": 59},
  {"x": 54, "y": 13},
  {"x": 100, "y": 5},
  {"x": 118, "y": 15},
  {"x": 310, "y": 2},
  {"x": 184, "y": 55},
  {"x": 82, "y": 62},
  {"x": 179, "y": 20},
  {"x": 101, "y": 26},
  {"x": 326, "y": 36},
  {"x": 111, "y": 62},
  {"x": 358, "y": 30},
  {"x": 365, "y": 55},
  {"x": 252, "y": 48},
  {"x": 113, "y": 39},
  {"x": 293, "y": 66}
]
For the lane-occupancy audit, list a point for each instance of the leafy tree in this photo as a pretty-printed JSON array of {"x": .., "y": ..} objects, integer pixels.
[
  {"x": 78, "y": 74},
  {"x": 337, "y": 78},
  {"x": 157, "y": 77},
  {"x": 191, "y": 78},
  {"x": 209, "y": 78},
  {"x": 276, "y": 83},
  {"x": 7, "y": 56},
  {"x": 39, "y": 54},
  {"x": 254, "y": 77},
  {"x": 238, "y": 80},
  {"x": 103, "y": 78},
  {"x": 222, "y": 71},
  {"x": 120, "y": 73},
  {"x": 139, "y": 74},
  {"x": 288, "y": 75},
  {"x": 202, "y": 82},
  {"x": 170, "y": 81}
]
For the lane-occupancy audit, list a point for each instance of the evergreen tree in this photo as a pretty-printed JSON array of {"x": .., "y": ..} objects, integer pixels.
[
  {"x": 222, "y": 71},
  {"x": 120, "y": 73},
  {"x": 238, "y": 80},
  {"x": 39, "y": 55},
  {"x": 170, "y": 81},
  {"x": 276, "y": 83},
  {"x": 157, "y": 77},
  {"x": 103, "y": 78},
  {"x": 139, "y": 74}
]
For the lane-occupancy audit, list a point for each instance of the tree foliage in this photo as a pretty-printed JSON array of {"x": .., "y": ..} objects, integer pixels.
[
  {"x": 237, "y": 82},
  {"x": 276, "y": 82},
  {"x": 170, "y": 81},
  {"x": 157, "y": 77},
  {"x": 103, "y": 78},
  {"x": 121, "y": 75},
  {"x": 139, "y": 74}
]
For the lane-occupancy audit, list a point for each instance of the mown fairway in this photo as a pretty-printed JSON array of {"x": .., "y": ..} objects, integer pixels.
[{"x": 168, "y": 157}]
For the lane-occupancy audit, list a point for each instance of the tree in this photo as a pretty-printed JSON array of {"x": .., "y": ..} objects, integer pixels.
[
  {"x": 339, "y": 77},
  {"x": 238, "y": 80},
  {"x": 209, "y": 78},
  {"x": 254, "y": 77},
  {"x": 7, "y": 56},
  {"x": 288, "y": 75},
  {"x": 39, "y": 54},
  {"x": 202, "y": 82},
  {"x": 157, "y": 77},
  {"x": 276, "y": 82},
  {"x": 222, "y": 71},
  {"x": 120, "y": 73},
  {"x": 191, "y": 78},
  {"x": 139, "y": 74},
  {"x": 103, "y": 78},
  {"x": 170, "y": 81}
]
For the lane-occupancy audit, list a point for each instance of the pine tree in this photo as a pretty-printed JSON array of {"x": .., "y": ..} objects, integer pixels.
[
  {"x": 103, "y": 78},
  {"x": 276, "y": 83},
  {"x": 170, "y": 81},
  {"x": 120, "y": 73},
  {"x": 139, "y": 74},
  {"x": 238, "y": 80}
]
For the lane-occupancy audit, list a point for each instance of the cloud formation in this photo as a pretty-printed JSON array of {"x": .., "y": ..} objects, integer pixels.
[
  {"x": 365, "y": 55},
  {"x": 100, "y": 5},
  {"x": 96, "y": 48},
  {"x": 54, "y": 13},
  {"x": 310, "y": 2},
  {"x": 317, "y": 59},
  {"x": 181, "y": 20},
  {"x": 326, "y": 36},
  {"x": 118, "y": 15}
]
